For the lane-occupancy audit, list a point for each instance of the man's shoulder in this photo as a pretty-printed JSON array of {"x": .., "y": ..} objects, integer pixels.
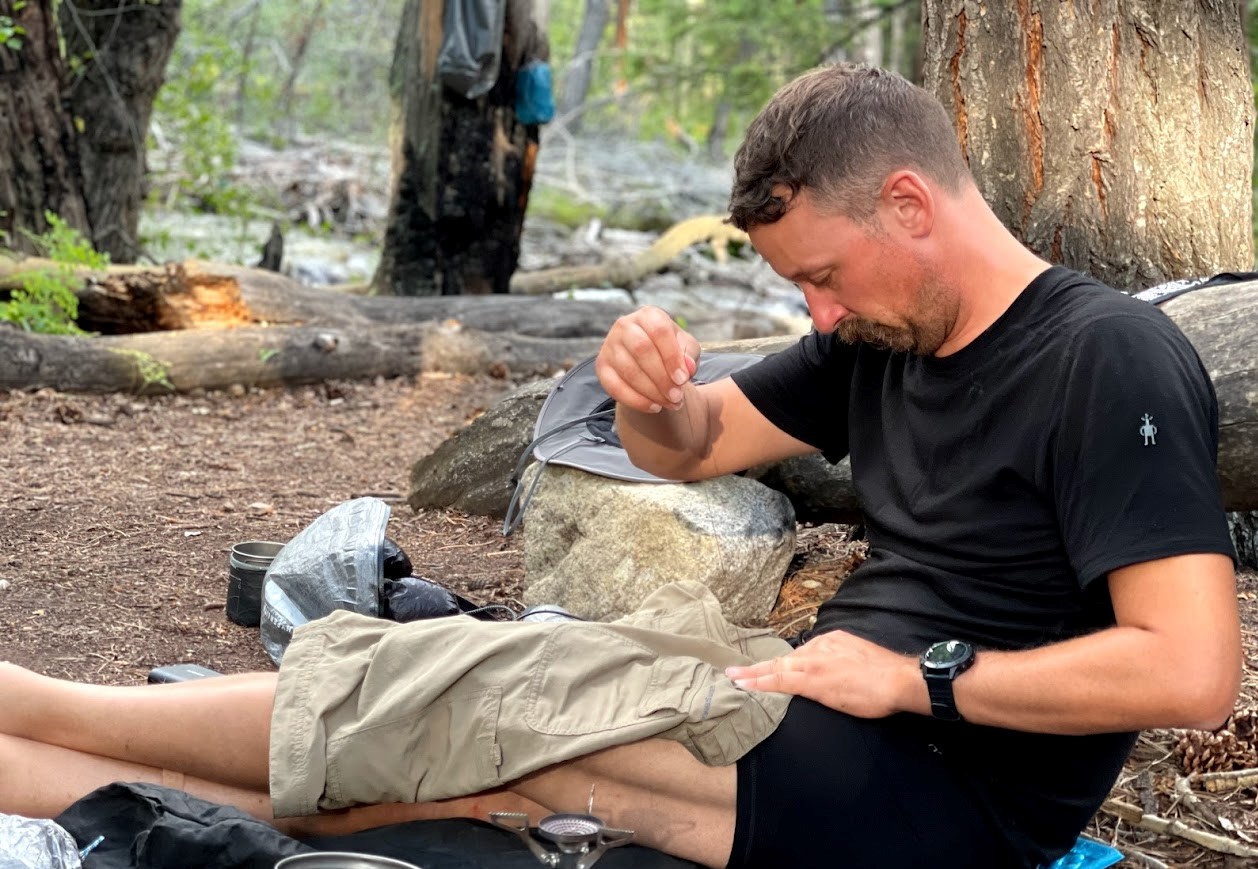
[{"x": 1090, "y": 315}]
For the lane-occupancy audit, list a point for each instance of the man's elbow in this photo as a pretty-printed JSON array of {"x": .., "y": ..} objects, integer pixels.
[{"x": 1206, "y": 701}]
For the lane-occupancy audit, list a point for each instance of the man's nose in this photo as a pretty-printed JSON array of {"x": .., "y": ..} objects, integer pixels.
[{"x": 824, "y": 310}]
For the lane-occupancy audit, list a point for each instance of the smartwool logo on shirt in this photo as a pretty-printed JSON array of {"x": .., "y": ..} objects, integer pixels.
[{"x": 1149, "y": 430}]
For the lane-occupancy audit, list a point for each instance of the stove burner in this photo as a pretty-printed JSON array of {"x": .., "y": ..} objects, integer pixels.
[{"x": 581, "y": 839}]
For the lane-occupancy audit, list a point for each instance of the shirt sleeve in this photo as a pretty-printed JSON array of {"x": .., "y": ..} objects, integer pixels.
[
  {"x": 1135, "y": 448},
  {"x": 805, "y": 390}
]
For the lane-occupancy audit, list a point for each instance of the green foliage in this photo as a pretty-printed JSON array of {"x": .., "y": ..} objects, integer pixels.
[
  {"x": 552, "y": 204},
  {"x": 186, "y": 113},
  {"x": 11, "y": 33},
  {"x": 46, "y": 302},
  {"x": 686, "y": 58},
  {"x": 341, "y": 76}
]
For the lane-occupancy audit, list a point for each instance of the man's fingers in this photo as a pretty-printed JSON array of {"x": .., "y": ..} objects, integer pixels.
[
  {"x": 624, "y": 393},
  {"x": 637, "y": 358},
  {"x": 646, "y": 359},
  {"x": 690, "y": 352},
  {"x": 781, "y": 675}
]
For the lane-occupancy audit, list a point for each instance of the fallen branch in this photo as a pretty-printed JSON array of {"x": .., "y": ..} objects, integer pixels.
[
  {"x": 626, "y": 271},
  {"x": 1184, "y": 794},
  {"x": 1231, "y": 780},
  {"x": 1134, "y": 816}
]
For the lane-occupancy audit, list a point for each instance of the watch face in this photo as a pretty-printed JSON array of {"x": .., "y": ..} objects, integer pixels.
[{"x": 946, "y": 654}]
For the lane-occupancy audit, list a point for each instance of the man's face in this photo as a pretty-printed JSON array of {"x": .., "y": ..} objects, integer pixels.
[{"x": 858, "y": 281}]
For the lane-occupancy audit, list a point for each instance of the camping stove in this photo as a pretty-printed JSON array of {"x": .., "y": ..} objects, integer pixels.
[{"x": 579, "y": 839}]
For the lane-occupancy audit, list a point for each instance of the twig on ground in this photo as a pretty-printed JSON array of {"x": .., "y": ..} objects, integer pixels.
[
  {"x": 1145, "y": 860},
  {"x": 1156, "y": 824},
  {"x": 1185, "y": 795},
  {"x": 1226, "y": 781}
]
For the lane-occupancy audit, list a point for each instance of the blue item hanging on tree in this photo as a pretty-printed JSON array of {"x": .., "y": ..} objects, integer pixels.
[{"x": 534, "y": 93}]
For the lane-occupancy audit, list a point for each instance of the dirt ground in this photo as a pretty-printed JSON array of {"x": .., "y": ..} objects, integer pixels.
[{"x": 117, "y": 515}]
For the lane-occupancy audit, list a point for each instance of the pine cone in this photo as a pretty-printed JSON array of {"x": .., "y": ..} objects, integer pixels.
[{"x": 1233, "y": 746}]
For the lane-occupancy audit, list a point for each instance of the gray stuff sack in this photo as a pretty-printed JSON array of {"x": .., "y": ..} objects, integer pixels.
[
  {"x": 335, "y": 563},
  {"x": 576, "y": 428},
  {"x": 471, "y": 49}
]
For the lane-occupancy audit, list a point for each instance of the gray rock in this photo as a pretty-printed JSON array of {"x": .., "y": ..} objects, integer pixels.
[
  {"x": 598, "y": 547},
  {"x": 471, "y": 470},
  {"x": 819, "y": 491}
]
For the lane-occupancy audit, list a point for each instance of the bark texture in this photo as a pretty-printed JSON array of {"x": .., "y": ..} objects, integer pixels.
[
  {"x": 123, "y": 47},
  {"x": 1112, "y": 137},
  {"x": 462, "y": 168},
  {"x": 39, "y": 161}
]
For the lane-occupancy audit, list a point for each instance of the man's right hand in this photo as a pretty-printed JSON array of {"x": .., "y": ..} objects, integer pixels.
[{"x": 646, "y": 360}]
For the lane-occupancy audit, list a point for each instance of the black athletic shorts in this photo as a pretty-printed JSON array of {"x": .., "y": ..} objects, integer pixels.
[{"x": 830, "y": 790}]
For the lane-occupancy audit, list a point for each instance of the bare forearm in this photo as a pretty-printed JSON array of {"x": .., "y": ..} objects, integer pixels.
[
  {"x": 670, "y": 443},
  {"x": 1116, "y": 679}
]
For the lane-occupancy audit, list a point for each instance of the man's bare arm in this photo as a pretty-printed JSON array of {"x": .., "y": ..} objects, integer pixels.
[
  {"x": 1173, "y": 660},
  {"x": 669, "y": 425}
]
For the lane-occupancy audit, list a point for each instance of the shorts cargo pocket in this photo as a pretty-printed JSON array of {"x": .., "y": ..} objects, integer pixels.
[
  {"x": 593, "y": 681},
  {"x": 448, "y": 748}
]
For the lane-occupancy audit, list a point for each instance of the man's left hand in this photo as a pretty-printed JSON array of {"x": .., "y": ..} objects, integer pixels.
[{"x": 844, "y": 672}]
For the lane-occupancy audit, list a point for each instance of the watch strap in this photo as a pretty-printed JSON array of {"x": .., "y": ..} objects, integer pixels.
[{"x": 943, "y": 703}]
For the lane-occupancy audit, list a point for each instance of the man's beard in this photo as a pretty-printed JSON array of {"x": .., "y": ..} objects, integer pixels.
[{"x": 923, "y": 335}]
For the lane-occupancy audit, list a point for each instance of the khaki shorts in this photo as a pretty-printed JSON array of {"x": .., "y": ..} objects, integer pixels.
[{"x": 367, "y": 711}]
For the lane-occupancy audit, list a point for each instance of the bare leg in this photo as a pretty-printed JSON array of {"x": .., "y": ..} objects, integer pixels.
[
  {"x": 41, "y": 781},
  {"x": 217, "y": 729},
  {"x": 656, "y": 788},
  {"x": 216, "y": 733}
]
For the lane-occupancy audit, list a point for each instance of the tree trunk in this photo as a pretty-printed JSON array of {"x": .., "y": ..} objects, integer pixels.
[
  {"x": 253, "y": 10},
  {"x": 905, "y": 40},
  {"x": 301, "y": 47},
  {"x": 581, "y": 68},
  {"x": 39, "y": 159},
  {"x": 867, "y": 17},
  {"x": 1115, "y": 138},
  {"x": 462, "y": 168},
  {"x": 123, "y": 47},
  {"x": 725, "y": 107}
]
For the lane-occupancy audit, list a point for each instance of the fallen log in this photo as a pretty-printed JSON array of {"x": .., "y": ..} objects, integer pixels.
[
  {"x": 1222, "y": 323},
  {"x": 158, "y": 362},
  {"x": 196, "y": 295}
]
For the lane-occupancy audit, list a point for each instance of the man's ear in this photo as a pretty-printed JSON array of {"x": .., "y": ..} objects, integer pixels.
[{"x": 908, "y": 203}]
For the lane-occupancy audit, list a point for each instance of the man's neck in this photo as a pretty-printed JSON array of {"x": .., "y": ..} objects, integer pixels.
[{"x": 987, "y": 267}]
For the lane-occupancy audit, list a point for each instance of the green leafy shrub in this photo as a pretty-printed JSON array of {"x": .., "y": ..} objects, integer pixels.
[
  {"x": 189, "y": 117},
  {"x": 45, "y": 302},
  {"x": 11, "y": 33}
]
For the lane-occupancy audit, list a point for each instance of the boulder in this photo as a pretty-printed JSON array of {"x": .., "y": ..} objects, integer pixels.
[
  {"x": 471, "y": 470},
  {"x": 598, "y": 547}
]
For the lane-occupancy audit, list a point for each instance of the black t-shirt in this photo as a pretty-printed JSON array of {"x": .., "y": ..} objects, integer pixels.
[{"x": 1076, "y": 435}]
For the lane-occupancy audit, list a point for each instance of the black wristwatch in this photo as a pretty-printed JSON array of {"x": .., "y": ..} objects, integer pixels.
[{"x": 941, "y": 664}]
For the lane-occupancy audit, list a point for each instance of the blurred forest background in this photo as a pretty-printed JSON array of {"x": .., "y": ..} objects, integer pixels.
[
  {"x": 279, "y": 114},
  {"x": 656, "y": 91}
]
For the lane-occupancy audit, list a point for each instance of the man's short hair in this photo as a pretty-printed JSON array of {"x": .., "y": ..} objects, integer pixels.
[{"x": 838, "y": 132}]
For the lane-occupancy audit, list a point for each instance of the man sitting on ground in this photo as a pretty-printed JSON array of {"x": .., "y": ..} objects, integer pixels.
[{"x": 1042, "y": 582}]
